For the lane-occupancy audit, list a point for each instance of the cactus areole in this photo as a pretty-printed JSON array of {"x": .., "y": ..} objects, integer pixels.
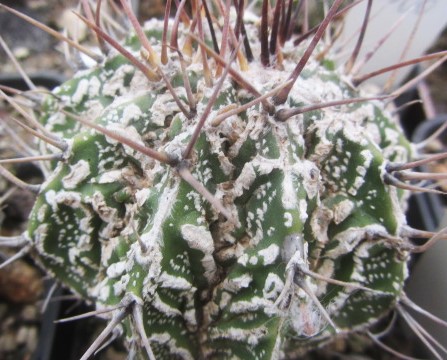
[{"x": 250, "y": 229}]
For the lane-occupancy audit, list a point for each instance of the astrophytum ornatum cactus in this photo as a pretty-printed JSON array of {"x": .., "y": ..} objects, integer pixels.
[{"x": 223, "y": 198}]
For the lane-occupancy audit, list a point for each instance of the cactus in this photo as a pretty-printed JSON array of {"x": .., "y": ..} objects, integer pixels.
[{"x": 222, "y": 198}]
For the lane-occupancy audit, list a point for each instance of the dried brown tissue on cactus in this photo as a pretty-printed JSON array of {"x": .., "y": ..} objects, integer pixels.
[{"x": 219, "y": 187}]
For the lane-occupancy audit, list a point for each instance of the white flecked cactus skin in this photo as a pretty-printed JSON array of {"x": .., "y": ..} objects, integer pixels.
[{"x": 276, "y": 233}]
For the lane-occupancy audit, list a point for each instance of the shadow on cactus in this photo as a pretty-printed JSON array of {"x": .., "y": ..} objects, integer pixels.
[{"x": 219, "y": 189}]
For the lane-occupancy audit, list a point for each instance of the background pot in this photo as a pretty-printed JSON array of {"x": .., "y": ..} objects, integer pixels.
[
  {"x": 427, "y": 285},
  {"x": 16, "y": 213}
]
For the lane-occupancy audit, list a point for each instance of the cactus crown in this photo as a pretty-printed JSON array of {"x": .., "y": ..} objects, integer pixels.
[{"x": 227, "y": 192}]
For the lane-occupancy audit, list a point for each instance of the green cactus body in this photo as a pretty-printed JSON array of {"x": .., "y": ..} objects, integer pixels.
[{"x": 305, "y": 194}]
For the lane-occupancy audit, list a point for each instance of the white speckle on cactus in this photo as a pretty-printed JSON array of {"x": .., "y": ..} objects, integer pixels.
[
  {"x": 303, "y": 210},
  {"x": 292, "y": 243},
  {"x": 311, "y": 177},
  {"x": 351, "y": 237},
  {"x": 100, "y": 206},
  {"x": 237, "y": 283},
  {"x": 195, "y": 197},
  {"x": 78, "y": 172},
  {"x": 120, "y": 286},
  {"x": 358, "y": 182},
  {"x": 367, "y": 156},
  {"x": 288, "y": 219},
  {"x": 397, "y": 285},
  {"x": 270, "y": 231},
  {"x": 163, "y": 307},
  {"x": 104, "y": 292},
  {"x": 190, "y": 317},
  {"x": 114, "y": 85},
  {"x": 243, "y": 260},
  {"x": 244, "y": 180},
  {"x": 391, "y": 135},
  {"x": 81, "y": 91},
  {"x": 252, "y": 336},
  {"x": 57, "y": 119},
  {"x": 272, "y": 287},
  {"x": 260, "y": 212},
  {"x": 319, "y": 222},
  {"x": 84, "y": 224},
  {"x": 166, "y": 339},
  {"x": 205, "y": 176},
  {"x": 41, "y": 213},
  {"x": 162, "y": 107},
  {"x": 110, "y": 176},
  {"x": 94, "y": 87},
  {"x": 361, "y": 170},
  {"x": 131, "y": 112},
  {"x": 254, "y": 304},
  {"x": 116, "y": 269},
  {"x": 41, "y": 234},
  {"x": 154, "y": 235},
  {"x": 253, "y": 260},
  {"x": 288, "y": 192},
  {"x": 50, "y": 199},
  {"x": 199, "y": 238},
  {"x": 112, "y": 116},
  {"x": 141, "y": 196},
  {"x": 174, "y": 282},
  {"x": 126, "y": 131},
  {"x": 269, "y": 254},
  {"x": 342, "y": 210},
  {"x": 68, "y": 198}
]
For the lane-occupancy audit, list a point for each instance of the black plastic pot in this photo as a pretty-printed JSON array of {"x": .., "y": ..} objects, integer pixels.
[{"x": 48, "y": 80}]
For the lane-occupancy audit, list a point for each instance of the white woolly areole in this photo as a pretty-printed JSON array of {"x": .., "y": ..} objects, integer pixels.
[{"x": 305, "y": 317}]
